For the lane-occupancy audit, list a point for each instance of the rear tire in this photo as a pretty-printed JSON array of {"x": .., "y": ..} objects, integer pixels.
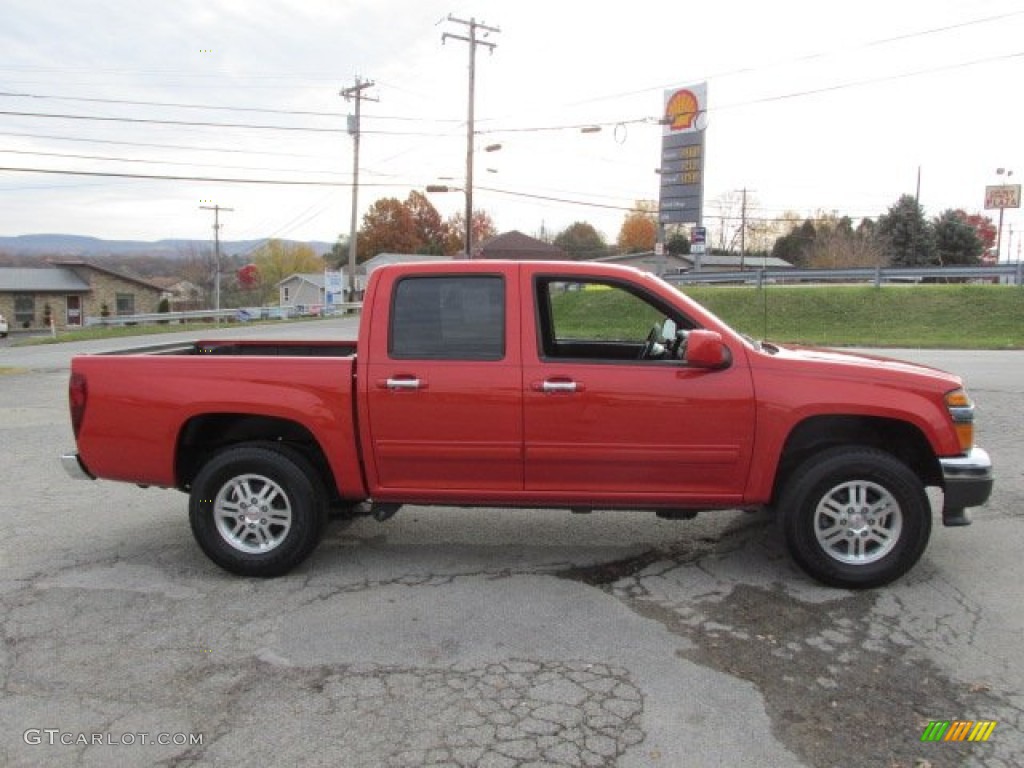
[
  {"x": 855, "y": 517},
  {"x": 257, "y": 509}
]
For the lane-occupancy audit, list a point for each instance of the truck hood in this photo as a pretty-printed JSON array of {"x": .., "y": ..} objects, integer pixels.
[{"x": 861, "y": 365}]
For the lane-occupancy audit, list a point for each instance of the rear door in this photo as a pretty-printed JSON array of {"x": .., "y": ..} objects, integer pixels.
[
  {"x": 443, "y": 384},
  {"x": 605, "y": 420}
]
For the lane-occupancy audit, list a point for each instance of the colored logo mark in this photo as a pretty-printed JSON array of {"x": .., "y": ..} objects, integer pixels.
[
  {"x": 682, "y": 110},
  {"x": 958, "y": 730}
]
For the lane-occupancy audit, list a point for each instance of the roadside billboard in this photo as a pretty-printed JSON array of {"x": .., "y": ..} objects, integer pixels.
[{"x": 684, "y": 118}]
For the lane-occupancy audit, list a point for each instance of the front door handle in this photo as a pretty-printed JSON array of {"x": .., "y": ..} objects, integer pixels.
[{"x": 402, "y": 384}]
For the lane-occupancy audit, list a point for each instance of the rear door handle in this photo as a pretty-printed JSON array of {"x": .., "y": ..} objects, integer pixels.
[{"x": 558, "y": 386}]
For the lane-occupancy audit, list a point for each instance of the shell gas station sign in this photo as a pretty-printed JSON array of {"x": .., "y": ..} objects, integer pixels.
[{"x": 682, "y": 155}]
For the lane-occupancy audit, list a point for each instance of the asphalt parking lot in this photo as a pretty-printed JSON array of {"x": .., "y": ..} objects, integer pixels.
[{"x": 464, "y": 637}]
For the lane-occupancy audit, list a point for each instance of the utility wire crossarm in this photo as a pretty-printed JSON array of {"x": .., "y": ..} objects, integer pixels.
[
  {"x": 473, "y": 26},
  {"x": 355, "y": 93}
]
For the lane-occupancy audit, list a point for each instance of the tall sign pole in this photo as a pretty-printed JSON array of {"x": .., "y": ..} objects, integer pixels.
[
  {"x": 473, "y": 41},
  {"x": 1002, "y": 196},
  {"x": 681, "y": 198},
  {"x": 356, "y": 93}
]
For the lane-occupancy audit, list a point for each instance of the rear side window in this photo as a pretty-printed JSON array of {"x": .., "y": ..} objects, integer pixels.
[{"x": 458, "y": 317}]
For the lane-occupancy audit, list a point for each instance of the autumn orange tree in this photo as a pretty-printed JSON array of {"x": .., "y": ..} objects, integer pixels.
[
  {"x": 639, "y": 230},
  {"x": 389, "y": 226},
  {"x": 483, "y": 230},
  {"x": 414, "y": 226}
]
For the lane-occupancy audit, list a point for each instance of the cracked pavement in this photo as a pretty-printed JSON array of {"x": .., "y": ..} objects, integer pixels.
[{"x": 460, "y": 637}]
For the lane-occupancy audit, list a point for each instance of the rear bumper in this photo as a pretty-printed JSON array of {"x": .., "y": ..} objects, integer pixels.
[
  {"x": 968, "y": 483},
  {"x": 74, "y": 467}
]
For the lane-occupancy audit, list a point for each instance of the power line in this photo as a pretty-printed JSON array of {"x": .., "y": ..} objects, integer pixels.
[
  {"x": 203, "y": 124},
  {"x": 187, "y": 147},
  {"x": 804, "y": 58},
  {"x": 152, "y": 162},
  {"x": 219, "y": 180},
  {"x": 221, "y": 108},
  {"x": 207, "y": 124}
]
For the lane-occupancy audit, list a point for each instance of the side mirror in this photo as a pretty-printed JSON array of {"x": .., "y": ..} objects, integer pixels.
[{"x": 705, "y": 349}]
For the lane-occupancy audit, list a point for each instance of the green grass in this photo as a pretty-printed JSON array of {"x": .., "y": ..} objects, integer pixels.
[
  {"x": 118, "y": 331},
  {"x": 937, "y": 316}
]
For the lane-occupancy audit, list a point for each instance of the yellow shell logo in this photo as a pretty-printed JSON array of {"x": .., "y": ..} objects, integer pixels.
[{"x": 682, "y": 110}]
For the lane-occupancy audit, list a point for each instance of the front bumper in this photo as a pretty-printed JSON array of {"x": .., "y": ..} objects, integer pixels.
[
  {"x": 73, "y": 465},
  {"x": 968, "y": 483}
]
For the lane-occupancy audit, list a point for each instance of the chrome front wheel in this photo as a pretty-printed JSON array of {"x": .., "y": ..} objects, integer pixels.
[
  {"x": 855, "y": 517},
  {"x": 858, "y": 522}
]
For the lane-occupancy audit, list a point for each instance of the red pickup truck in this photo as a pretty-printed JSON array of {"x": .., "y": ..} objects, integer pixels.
[{"x": 540, "y": 384}]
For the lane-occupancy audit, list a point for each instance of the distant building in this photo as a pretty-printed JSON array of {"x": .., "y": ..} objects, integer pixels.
[
  {"x": 671, "y": 263},
  {"x": 70, "y": 291},
  {"x": 304, "y": 290},
  {"x": 181, "y": 294},
  {"x": 399, "y": 258},
  {"x": 516, "y": 245}
]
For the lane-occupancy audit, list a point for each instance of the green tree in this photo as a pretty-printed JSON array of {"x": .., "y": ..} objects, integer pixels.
[
  {"x": 277, "y": 259},
  {"x": 956, "y": 241},
  {"x": 678, "y": 243},
  {"x": 337, "y": 257},
  {"x": 795, "y": 247},
  {"x": 581, "y": 241},
  {"x": 907, "y": 235}
]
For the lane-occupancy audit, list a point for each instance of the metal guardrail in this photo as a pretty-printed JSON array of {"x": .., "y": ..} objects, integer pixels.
[
  {"x": 876, "y": 275},
  {"x": 240, "y": 315}
]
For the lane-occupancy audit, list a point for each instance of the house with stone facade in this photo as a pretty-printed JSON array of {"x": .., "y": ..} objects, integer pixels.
[{"x": 67, "y": 292}]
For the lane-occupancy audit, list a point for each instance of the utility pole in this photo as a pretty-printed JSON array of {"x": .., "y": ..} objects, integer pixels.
[
  {"x": 216, "y": 250},
  {"x": 355, "y": 92},
  {"x": 743, "y": 229},
  {"x": 473, "y": 41}
]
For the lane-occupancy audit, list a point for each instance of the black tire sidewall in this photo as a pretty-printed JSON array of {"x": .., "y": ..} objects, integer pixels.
[
  {"x": 300, "y": 484},
  {"x": 816, "y": 477}
]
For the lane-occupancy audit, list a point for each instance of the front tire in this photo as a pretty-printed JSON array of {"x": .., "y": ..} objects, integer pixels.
[
  {"x": 257, "y": 509},
  {"x": 855, "y": 517}
]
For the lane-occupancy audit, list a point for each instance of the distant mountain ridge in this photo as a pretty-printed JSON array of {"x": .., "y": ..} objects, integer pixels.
[{"x": 80, "y": 246}]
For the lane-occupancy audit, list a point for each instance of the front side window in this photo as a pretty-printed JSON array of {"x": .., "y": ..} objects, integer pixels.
[
  {"x": 605, "y": 320},
  {"x": 441, "y": 317}
]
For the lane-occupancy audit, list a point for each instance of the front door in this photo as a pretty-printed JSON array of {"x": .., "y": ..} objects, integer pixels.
[
  {"x": 74, "y": 314},
  {"x": 608, "y": 417}
]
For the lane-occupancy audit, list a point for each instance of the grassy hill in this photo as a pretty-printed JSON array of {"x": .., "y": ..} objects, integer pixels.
[
  {"x": 940, "y": 316},
  {"x": 950, "y": 316}
]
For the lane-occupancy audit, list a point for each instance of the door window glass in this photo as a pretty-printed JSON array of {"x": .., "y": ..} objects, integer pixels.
[{"x": 459, "y": 317}]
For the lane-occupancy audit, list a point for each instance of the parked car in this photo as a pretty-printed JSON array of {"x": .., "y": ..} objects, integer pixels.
[
  {"x": 3, "y": 327},
  {"x": 491, "y": 383}
]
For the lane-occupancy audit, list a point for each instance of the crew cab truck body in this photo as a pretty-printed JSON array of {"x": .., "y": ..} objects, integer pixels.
[{"x": 542, "y": 384}]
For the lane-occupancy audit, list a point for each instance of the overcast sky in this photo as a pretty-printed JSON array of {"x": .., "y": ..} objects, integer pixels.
[{"x": 812, "y": 105}]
